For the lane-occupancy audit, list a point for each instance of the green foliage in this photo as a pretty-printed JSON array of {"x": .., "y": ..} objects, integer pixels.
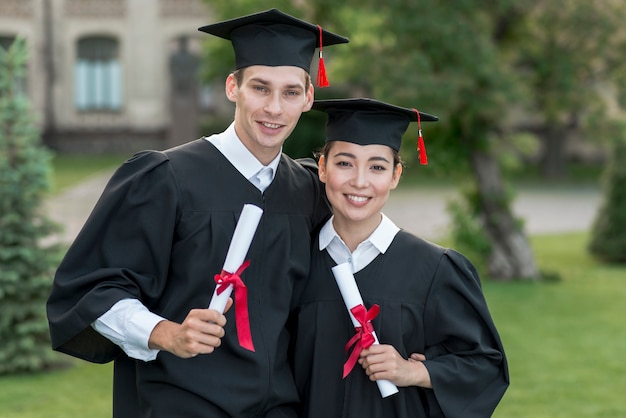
[
  {"x": 26, "y": 267},
  {"x": 468, "y": 234},
  {"x": 608, "y": 240}
]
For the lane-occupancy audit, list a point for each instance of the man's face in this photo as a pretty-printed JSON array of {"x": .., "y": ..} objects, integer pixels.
[{"x": 269, "y": 102}]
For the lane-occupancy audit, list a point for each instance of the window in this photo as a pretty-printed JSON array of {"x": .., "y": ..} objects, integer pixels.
[
  {"x": 6, "y": 42},
  {"x": 98, "y": 75}
]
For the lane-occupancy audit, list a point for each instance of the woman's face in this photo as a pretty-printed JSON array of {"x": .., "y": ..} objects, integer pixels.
[{"x": 358, "y": 180}]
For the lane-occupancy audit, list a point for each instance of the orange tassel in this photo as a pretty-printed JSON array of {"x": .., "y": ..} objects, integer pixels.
[
  {"x": 322, "y": 80},
  {"x": 421, "y": 148}
]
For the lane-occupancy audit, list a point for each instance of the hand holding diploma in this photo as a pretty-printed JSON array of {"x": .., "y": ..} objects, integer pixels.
[
  {"x": 234, "y": 266},
  {"x": 361, "y": 319}
]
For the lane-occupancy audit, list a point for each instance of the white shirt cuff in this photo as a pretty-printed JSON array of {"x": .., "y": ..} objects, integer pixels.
[{"x": 129, "y": 324}]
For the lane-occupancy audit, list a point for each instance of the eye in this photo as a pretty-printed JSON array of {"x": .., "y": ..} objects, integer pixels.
[
  {"x": 261, "y": 89},
  {"x": 292, "y": 93},
  {"x": 379, "y": 168},
  {"x": 343, "y": 164}
]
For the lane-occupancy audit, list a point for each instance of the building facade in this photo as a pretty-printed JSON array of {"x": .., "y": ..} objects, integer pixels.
[{"x": 114, "y": 75}]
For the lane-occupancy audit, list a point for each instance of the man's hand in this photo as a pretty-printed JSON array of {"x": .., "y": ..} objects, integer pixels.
[
  {"x": 383, "y": 362},
  {"x": 200, "y": 333}
]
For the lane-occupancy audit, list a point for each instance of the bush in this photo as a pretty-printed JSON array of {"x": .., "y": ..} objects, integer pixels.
[
  {"x": 25, "y": 265},
  {"x": 608, "y": 240}
]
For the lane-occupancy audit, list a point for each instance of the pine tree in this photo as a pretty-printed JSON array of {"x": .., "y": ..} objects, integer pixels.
[
  {"x": 608, "y": 239},
  {"x": 26, "y": 266}
]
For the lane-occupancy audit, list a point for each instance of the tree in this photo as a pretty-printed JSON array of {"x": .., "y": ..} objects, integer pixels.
[
  {"x": 608, "y": 241},
  {"x": 26, "y": 267},
  {"x": 457, "y": 60},
  {"x": 568, "y": 51}
]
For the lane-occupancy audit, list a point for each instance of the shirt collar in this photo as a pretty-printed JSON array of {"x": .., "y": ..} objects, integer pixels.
[
  {"x": 229, "y": 144},
  {"x": 381, "y": 238}
]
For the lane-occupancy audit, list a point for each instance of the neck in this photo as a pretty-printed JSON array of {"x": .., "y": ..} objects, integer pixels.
[{"x": 355, "y": 232}]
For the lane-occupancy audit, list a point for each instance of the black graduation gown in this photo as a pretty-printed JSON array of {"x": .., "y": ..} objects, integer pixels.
[
  {"x": 159, "y": 233},
  {"x": 430, "y": 302}
]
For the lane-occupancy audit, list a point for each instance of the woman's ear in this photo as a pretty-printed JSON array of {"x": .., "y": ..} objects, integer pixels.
[
  {"x": 397, "y": 173},
  {"x": 321, "y": 168}
]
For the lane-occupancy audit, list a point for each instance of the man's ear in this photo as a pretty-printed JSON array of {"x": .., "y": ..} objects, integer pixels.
[
  {"x": 310, "y": 96},
  {"x": 231, "y": 88}
]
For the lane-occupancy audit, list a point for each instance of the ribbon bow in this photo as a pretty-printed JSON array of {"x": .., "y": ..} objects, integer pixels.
[
  {"x": 363, "y": 338},
  {"x": 225, "y": 279}
]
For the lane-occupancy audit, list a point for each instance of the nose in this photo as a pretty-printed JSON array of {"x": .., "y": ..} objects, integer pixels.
[
  {"x": 273, "y": 105},
  {"x": 360, "y": 179}
]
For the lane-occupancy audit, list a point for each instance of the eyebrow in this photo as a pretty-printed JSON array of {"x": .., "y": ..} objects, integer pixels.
[
  {"x": 260, "y": 81},
  {"x": 267, "y": 83},
  {"x": 350, "y": 155}
]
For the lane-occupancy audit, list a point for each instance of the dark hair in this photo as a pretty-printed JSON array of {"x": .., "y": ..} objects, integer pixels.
[
  {"x": 238, "y": 74},
  {"x": 326, "y": 150}
]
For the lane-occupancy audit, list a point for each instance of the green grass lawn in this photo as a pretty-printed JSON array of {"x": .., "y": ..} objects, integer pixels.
[
  {"x": 68, "y": 170},
  {"x": 565, "y": 343},
  {"x": 564, "y": 340},
  {"x": 82, "y": 391}
]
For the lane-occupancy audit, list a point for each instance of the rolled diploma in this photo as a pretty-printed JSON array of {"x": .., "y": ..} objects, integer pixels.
[
  {"x": 239, "y": 245},
  {"x": 352, "y": 297}
]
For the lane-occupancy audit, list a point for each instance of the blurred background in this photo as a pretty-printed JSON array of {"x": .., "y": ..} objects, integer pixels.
[{"x": 526, "y": 172}]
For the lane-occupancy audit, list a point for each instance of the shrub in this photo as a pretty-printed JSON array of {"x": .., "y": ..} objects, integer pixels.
[
  {"x": 608, "y": 235},
  {"x": 25, "y": 265}
]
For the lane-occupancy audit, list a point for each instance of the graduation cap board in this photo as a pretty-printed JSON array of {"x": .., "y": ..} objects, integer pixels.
[
  {"x": 274, "y": 38},
  {"x": 366, "y": 121}
]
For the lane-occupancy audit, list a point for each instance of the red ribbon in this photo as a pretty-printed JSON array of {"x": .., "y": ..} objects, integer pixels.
[
  {"x": 225, "y": 279},
  {"x": 363, "y": 337}
]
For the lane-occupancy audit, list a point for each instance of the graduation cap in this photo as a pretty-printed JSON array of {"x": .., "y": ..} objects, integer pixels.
[
  {"x": 274, "y": 38},
  {"x": 367, "y": 121}
]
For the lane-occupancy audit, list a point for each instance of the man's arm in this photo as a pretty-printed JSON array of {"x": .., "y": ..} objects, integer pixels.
[{"x": 142, "y": 334}]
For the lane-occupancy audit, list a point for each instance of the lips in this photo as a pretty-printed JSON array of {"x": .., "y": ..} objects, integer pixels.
[
  {"x": 357, "y": 199},
  {"x": 271, "y": 125}
]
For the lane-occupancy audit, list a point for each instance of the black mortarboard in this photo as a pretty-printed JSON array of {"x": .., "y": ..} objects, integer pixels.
[
  {"x": 275, "y": 38},
  {"x": 368, "y": 121}
]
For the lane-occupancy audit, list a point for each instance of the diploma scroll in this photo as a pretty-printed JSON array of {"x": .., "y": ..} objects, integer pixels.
[
  {"x": 239, "y": 245},
  {"x": 352, "y": 297}
]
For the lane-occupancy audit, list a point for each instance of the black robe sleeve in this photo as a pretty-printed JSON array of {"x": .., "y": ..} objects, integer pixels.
[
  {"x": 465, "y": 357},
  {"x": 121, "y": 252}
]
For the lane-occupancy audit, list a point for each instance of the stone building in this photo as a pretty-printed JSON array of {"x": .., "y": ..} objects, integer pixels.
[{"x": 111, "y": 75}]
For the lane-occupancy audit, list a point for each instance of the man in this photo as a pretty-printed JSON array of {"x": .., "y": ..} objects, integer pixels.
[{"x": 135, "y": 285}]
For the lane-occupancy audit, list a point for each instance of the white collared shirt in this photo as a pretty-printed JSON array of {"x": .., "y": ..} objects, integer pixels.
[
  {"x": 229, "y": 144},
  {"x": 129, "y": 323},
  {"x": 377, "y": 243}
]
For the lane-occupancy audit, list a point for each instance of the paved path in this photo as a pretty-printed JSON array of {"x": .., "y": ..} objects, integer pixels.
[{"x": 421, "y": 211}]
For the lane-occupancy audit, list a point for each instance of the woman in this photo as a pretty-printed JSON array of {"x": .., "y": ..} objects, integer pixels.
[{"x": 438, "y": 343}]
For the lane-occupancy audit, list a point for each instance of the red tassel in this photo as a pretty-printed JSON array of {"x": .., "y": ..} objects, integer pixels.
[
  {"x": 421, "y": 148},
  {"x": 322, "y": 80}
]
